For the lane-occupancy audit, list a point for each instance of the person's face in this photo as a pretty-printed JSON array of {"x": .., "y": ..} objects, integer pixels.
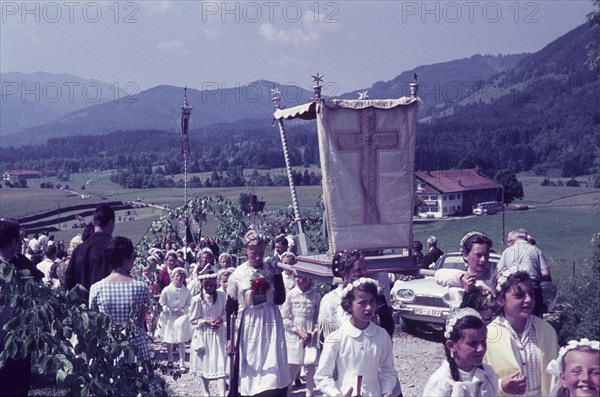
[
  {"x": 178, "y": 279},
  {"x": 209, "y": 285},
  {"x": 206, "y": 258},
  {"x": 288, "y": 260},
  {"x": 172, "y": 261},
  {"x": 356, "y": 271},
  {"x": 581, "y": 373},
  {"x": 303, "y": 283},
  {"x": 518, "y": 301},
  {"x": 223, "y": 282},
  {"x": 477, "y": 259},
  {"x": 363, "y": 309},
  {"x": 280, "y": 248},
  {"x": 510, "y": 241},
  {"x": 255, "y": 254},
  {"x": 225, "y": 262},
  {"x": 168, "y": 246},
  {"x": 469, "y": 349}
]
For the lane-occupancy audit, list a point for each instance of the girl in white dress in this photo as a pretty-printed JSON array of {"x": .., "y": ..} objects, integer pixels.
[
  {"x": 300, "y": 311},
  {"x": 359, "y": 350},
  {"x": 254, "y": 290},
  {"x": 207, "y": 350},
  {"x": 173, "y": 323},
  {"x": 578, "y": 366},
  {"x": 349, "y": 266},
  {"x": 520, "y": 345},
  {"x": 463, "y": 374}
]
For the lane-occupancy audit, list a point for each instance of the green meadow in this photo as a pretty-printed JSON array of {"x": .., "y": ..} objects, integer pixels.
[{"x": 562, "y": 219}]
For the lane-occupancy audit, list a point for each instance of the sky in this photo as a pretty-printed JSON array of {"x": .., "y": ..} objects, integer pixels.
[{"x": 210, "y": 44}]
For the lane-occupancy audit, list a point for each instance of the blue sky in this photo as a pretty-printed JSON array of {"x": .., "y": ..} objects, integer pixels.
[{"x": 215, "y": 43}]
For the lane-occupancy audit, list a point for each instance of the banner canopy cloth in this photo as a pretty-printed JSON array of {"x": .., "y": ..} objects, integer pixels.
[{"x": 367, "y": 160}]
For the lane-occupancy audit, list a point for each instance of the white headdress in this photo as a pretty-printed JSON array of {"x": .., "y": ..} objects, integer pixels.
[
  {"x": 555, "y": 367},
  {"x": 177, "y": 269},
  {"x": 356, "y": 283},
  {"x": 503, "y": 276},
  {"x": 456, "y": 315},
  {"x": 469, "y": 235}
]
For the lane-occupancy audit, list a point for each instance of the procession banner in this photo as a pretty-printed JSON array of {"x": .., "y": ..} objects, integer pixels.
[{"x": 367, "y": 158}]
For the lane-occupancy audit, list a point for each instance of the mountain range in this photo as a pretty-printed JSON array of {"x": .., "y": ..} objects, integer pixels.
[
  {"x": 39, "y": 118},
  {"x": 458, "y": 97}
]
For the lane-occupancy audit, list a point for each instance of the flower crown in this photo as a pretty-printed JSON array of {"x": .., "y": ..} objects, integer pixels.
[
  {"x": 555, "y": 366},
  {"x": 356, "y": 283},
  {"x": 207, "y": 276},
  {"x": 503, "y": 276},
  {"x": 469, "y": 235},
  {"x": 456, "y": 315},
  {"x": 253, "y": 237}
]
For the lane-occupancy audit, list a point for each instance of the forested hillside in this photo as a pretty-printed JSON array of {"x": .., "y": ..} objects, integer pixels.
[{"x": 544, "y": 113}]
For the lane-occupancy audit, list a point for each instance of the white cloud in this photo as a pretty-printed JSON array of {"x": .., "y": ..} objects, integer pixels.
[
  {"x": 306, "y": 34},
  {"x": 296, "y": 36},
  {"x": 169, "y": 45}
]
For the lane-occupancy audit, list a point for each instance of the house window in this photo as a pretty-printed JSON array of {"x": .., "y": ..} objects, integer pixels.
[
  {"x": 434, "y": 197},
  {"x": 445, "y": 197},
  {"x": 424, "y": 197},
  {"x": 459, "y": 196},
  {"x": 458, "y": 208},
  {"x": 445, "y": 209},
  {"x": 453, "y": 208},
  {"x": 433, "y": 209},
  {"x": 452, "y": 197}
]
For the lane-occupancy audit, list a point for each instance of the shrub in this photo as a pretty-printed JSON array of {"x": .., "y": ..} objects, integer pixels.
[
  {"x": 572, "y": 182},
  {"x": 579, "y": 311},
  {"x": 42, "y": 323}
]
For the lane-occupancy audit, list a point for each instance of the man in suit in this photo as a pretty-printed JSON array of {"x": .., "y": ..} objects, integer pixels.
[
  {"x": 87, "y": 262},
  {"x": 433, "y": 254}
]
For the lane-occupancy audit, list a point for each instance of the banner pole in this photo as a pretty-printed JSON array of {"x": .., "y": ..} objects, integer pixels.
[{"x": 286, "y": 155}]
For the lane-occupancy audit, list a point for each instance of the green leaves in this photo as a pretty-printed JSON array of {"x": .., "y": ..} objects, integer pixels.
[{"x": 44, "y": 321}]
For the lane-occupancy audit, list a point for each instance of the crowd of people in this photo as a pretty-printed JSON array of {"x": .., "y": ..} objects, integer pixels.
[{"x": 253, "y": 327}]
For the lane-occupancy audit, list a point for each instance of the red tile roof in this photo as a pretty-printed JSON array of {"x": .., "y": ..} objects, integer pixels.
[{"x": 451, "y": 181}]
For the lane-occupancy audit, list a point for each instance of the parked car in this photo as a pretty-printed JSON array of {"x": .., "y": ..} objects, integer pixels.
[{"x": 422, "y": 300}]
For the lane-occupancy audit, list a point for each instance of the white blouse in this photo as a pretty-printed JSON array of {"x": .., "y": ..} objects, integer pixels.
[
  {"x": 331, "y": 314},
  {"x": 355, "y": 352},
  {"x": 479, "y": 382}
]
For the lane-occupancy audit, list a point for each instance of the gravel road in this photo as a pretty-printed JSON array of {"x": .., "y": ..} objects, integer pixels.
[{"x": 415, "y": 358}]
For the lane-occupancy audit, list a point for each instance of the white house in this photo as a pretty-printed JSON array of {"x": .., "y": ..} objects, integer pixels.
[{"x": 453, "y": 192}]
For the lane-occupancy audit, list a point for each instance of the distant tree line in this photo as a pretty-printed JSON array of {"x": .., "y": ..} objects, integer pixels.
[{"x": 551, "y": 124}]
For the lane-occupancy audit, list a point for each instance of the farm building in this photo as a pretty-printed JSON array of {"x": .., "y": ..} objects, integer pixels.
[
  {"x": 15, "y": 175},
  {"x": 453, "y": 192}
]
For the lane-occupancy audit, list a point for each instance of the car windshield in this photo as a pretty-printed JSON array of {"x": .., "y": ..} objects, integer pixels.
[{"x": 452, "y": 262}]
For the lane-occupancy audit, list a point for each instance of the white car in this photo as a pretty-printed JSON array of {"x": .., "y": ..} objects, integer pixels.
[{"x": 423, "y": 300}]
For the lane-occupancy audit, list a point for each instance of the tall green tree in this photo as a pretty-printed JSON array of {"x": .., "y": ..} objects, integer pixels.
[
  {"x": 513, "y": 189},
  {"x": 593, "y": 59}
]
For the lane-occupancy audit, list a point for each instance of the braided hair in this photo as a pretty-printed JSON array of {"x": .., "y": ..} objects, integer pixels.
[
  {"x": 344, "y": 260},
  {"x": 466, "y": 322}
]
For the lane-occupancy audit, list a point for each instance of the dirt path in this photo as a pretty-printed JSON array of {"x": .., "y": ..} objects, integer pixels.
[{"x": 415, "y": 358}]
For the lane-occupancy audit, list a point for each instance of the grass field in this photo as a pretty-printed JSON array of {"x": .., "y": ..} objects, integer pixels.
[{"x": 562, "y": 221}]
